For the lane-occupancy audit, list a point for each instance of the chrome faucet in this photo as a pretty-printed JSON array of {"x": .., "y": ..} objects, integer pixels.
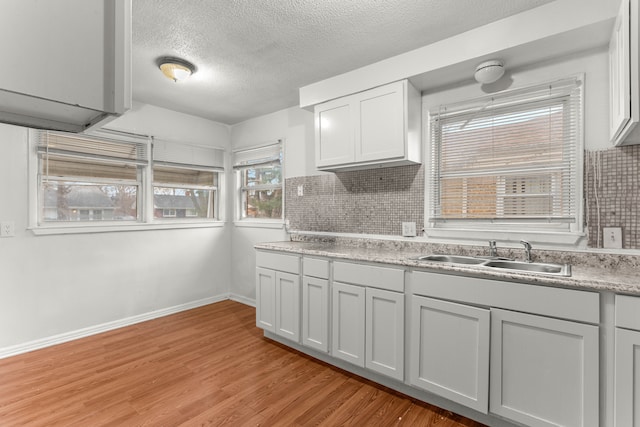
[
  {"x": 493, "y": 249},
  {"x": 527, "y": 250}
]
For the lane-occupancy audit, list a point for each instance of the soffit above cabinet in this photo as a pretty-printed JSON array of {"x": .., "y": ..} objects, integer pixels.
[
  {"x": 520, "y": 40},
  {"x": 68, "y": 63}
]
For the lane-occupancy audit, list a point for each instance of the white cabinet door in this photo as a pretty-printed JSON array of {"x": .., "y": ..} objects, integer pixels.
[
  {"x": 371, "y": 128},
  {"x": 315, "y": 313},
  {"x": 627, "y": 382},
  {"x": 335, "y": 143},
  {"x": 380, "y": 134},
  {"x": 347, "y": 317},
  {"x": 619, "y": 73},
  {"x": 288, "y": 305},
  {"x": 450, "y": 351},
  {"x": 266, "y": 299},
  {"x": 385, "y": 332},
  {"x": 544, "y": 371}
]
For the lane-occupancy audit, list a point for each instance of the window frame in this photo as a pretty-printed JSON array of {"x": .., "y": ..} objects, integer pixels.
[
  {"x": 512, "y": 230},
  {"x": 144, "y": 221},
  {"x": 256, "y": 156}
]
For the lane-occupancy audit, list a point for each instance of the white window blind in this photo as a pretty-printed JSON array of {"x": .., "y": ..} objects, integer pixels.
[
  {"x": 508, "y": 157},
  {"x": 169, "y": 153},
  {"x": 64, "y": 155},
  {"x": 256, "y": 157}
]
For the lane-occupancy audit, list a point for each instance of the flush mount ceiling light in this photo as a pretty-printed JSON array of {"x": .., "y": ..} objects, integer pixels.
[
  {"x": 489, "y": 71},
  {"x": 176, "y": 69}
]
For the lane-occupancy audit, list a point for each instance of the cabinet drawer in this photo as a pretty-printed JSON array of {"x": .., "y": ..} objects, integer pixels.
[
  {"x": 628, "y": 312},
  {"x": 368, "y": 275},
  {"x": 581, "y": 306},
  {"x": 277, "y": 261},
  {"x": 315, "y": 268}
]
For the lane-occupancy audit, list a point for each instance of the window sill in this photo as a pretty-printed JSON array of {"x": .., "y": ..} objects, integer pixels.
[
  {"x": 548, "y": 238},
  {"x": 275, "y": 224},
  {"x": 90, "y": 228}
]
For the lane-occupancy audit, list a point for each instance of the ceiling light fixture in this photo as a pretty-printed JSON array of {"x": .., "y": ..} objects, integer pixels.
[
  {"x": 489, "y": 71},
  {"x": 176, "y": 69}
]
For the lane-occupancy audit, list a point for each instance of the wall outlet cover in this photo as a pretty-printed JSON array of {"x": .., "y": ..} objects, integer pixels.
[
  {"x": 409, "y": 229},
  {"x": 7, "y": 229},
  {"x": 612, "y": 237}
]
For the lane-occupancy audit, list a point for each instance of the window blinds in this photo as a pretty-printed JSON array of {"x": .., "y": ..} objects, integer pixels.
[
  {"x": 511, "y": 156},
  {"x": 260, "y": 156},
  {"x": 174, "y": 154},
  {"x": 76, "y": 155}
]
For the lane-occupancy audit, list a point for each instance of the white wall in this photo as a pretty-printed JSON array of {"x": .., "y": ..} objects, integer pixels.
[
  {"x": 594, "y": 64},
  {"x": 295, "y": 127},
  {"x": 57, "y": 284}
]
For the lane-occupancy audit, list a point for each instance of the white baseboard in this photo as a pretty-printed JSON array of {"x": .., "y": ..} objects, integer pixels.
[
  {"x": 104, "y": 327},
  {"x": 243, "y": 300}
]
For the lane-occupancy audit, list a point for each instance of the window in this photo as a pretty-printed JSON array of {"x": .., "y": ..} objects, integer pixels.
[
  {"x": 510, "y": 161},
  {"x": 185, "y": 181},
  {"x": 88, "y": 179},
  {"x": 259, "y": 172}
]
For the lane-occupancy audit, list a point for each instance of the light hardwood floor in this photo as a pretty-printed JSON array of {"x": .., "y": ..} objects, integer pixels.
[{"x": 207, "y": 366}]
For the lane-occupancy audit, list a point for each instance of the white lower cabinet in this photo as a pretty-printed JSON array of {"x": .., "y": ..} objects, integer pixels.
[
  {"x": 450, "y": 351},
  {"x": 519, "y": 352},
  {"x": 367, "y": 317},
  {"x": 627, "y": 383},
  {"x": 368, "y": 328},
  {"x": 347, "y": 320},
  {"x": 278, "y": 294},
  {"x": 627, "y": 362},
  {"x": 288, "y": 305},
  {"x": 315, "y": 313},
  {"x": 266, "y": 299},
  {"x": 544, "y": 371},
  {"x": 384, "y": 331}
]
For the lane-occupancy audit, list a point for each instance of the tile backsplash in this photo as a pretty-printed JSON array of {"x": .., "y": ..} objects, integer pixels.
[
  {"x": 377, "y": 201},
  {"x": 373, "y": 201},
  {"x": 612, "y": 194}
]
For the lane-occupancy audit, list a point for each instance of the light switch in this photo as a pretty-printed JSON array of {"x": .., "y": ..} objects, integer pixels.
[
  {"x": 300, "y": 190},
  {"x": 612, "y": 237}
]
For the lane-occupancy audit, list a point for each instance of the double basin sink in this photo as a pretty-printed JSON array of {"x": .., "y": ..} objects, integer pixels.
[{"x": 501, "y": 264}]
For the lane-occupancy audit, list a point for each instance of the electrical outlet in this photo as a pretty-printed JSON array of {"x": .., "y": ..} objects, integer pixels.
[
  {"x": 300, "y": 190},
  {"x": 409, "y": 229},
  {"x": 612, "y": 237},
  {"x": 7, "y": 229}
]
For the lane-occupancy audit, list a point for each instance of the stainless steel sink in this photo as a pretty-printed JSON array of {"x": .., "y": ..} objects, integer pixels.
[
  {"x": 501, "y": 264},
  {"x": 453, "y": 259},
  {"x": 531, "y": 267}
]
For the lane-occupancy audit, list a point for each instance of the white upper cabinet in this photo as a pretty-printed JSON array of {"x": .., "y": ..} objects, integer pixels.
[
  {"x": 66, "y": 63},
  {"x": 624, "y": 76},
  {"x": 378, "y": 127}
]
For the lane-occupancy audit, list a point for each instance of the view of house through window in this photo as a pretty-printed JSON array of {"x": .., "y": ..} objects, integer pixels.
[
  {"x": 260, "y": 182},
  {"x": 84, "y": 178},
  {"x": 509, "y": 158},
  {"x": 184, "y": 192}
]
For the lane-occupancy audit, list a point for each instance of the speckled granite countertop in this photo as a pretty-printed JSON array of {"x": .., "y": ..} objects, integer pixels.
[{"x": 590, "y": 271}]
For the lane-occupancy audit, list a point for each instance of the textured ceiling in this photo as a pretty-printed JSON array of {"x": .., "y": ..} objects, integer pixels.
[{"x": 253, "y": 55}]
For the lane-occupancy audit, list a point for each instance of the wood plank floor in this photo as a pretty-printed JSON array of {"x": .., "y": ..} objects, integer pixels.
[{"x": 207, "y": 366}]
